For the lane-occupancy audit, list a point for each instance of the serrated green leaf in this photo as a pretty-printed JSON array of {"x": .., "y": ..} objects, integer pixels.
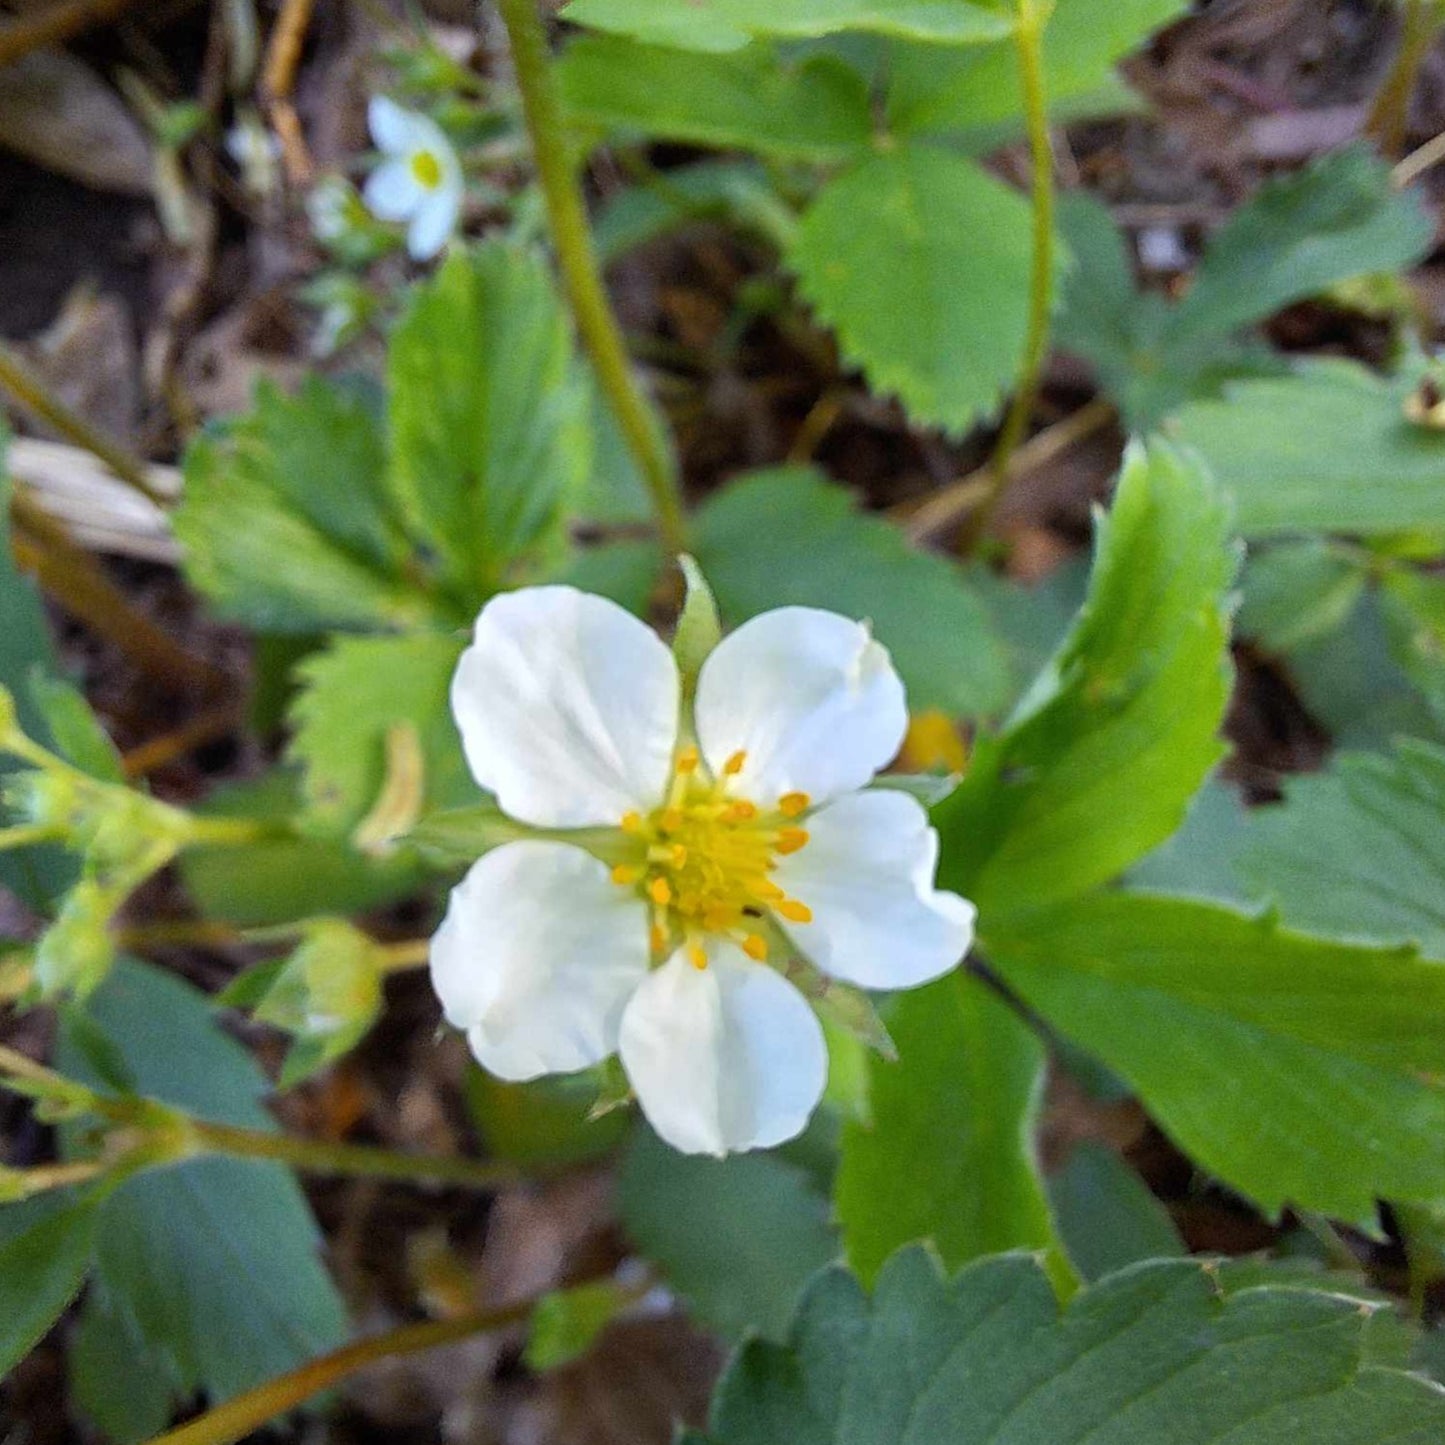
[
  {"x": 948, "y": 1152},
  {"x": 1156, "y": 1355},
  {"x": 285, "y": 520},
  {"x": 1105, "y": 752},
  {"x": 1297, "y": 591},
  {"x": 1295, "y": 1068},
  {"x": 1106, "y": 1215},
  {"x": 626, "y": 571},
  {"x": 920, "y": 261},
  {"x": 214, "y": 1262},
  {"x": 935, "y": 89},
  {"x": 488, "y": 407},
  {"x": 1358, "y": 851},
  {"x": 1199, "y": 861},
  {"x": 736, "y": 1237},
  {"x": 45, "y": 1253},
  {"x": 786, "y": 536},
  {"x": 129, "y": 1405},
  {"x": 74, "y": 728},
  {"x": 353, "y": 696},
  {"x": 1300, "y": 234},
  {"x": 1326, "y": 449},
  {"x": 813, "y": 109},
  {"x": 729, "y": 24},
  {"x": 282, "y": 879},
  {"x": 40, "y": 875}
]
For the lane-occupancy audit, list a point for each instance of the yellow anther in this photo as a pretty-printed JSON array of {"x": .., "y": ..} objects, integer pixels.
[
  {"x": 626, "y": 874},
  {"x": 755, "y": 946},
  {"x": 791, "y": 804},
  {"x": 687, "y": 760},
  {"x": 791, "y": 840},
  {"x": 671, "y": 820},
  {"x": 658, "y": 938},
  {"x": 697, "y": 955},
  {"x": 631, "y": 822},
  {"x": 764, "y": 888},
  {"x": 794, "y": 911},
  {"x": 679, "y": 855},
  {"x": 741, "y": 812},
  {"x": 660, "y": 892},
  {"x": 735, "y": 764}
]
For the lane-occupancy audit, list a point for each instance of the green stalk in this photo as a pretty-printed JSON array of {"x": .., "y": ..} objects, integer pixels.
[
  {"x": 1029, "y": 38},
  {"x": 577, "y": 259}
]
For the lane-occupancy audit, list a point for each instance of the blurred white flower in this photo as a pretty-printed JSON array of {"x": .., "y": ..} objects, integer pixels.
[
  {"x": 419, "y": 182},
  {"x": 735, "y": 828}
]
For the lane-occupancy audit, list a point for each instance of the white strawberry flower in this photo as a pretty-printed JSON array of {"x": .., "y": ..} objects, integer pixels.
[
  {"x": 419, "y": 182},
  {"x": 737, "y": 828}
]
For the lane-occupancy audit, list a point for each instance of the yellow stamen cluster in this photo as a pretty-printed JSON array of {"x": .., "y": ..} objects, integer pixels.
[
  {"x": 704, "y": 858},
  {"x": 426, "y": 169}
]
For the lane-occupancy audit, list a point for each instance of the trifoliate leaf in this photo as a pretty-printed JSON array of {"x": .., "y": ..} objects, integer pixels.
[
  {"x": 45, "y": 1253},
  {"x": 1209, "y": 1013},
  {"x": 947, "y": 1154},
  {"x": 934, "y": 88},
  {"x": 490, "y": 441},
  {"x": 736, "y": 1237},
  {"x": 358, "y": 765},
  {"x": 286, "y": 522},
  {"x": 788, "y": 537},
  {"x": 1110, "y": 744},
  {"x": 1328, "y": 449},
  {"x": 1160, "y": 1354},
  {"x": 214, "y": 1263},
  {"x": 1357, "y": 851},
  {"x": 729, "y": 24},
  {"x": 813, "y": 109},
  {"x": 920, "y": 261}
]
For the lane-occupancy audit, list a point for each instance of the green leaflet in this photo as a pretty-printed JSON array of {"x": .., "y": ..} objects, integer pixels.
[
  {"x": 1357, "y": 851},
  {"x": 1327, "y": 448},
  {"x": 1297, "y": 1069},
  {"x": 814, "y": 109},
  {"x": 1115, "y": 737},
  {"x": 947, "y": 1152},
  {"x": 920, "y": 261},
  {"x": 213, "y": 1264},
  {"x": 729, "y": 24},
  {"x": 786, "y": 536},
  {"x": 1159, "y": 1354}
]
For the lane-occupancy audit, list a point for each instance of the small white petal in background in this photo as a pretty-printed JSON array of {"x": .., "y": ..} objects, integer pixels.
[
  {"x": 537, "y": 957},
  {"x": 255, "y": 151},
  {"x": 419, "y": 181},
  {"x": 723, "y": 1058}
]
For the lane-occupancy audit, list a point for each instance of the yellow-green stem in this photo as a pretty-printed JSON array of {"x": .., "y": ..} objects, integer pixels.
[
  {"x": 246, "y": 1412},
  {"x": 32, "y": 393},
  {"x": 1389, "y": 114},
  {"x": 577, "y": 259},
  {"x": 320, "y": 1156},
  {"x": 1029, "y": 39}
]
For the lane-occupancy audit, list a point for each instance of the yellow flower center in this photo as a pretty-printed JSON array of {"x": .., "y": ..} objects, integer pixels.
[
  {"x": 426, "y": 169},
  {"x": 704, "y": 860}
]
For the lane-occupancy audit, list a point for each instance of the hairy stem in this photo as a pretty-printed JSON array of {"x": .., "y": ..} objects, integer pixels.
[
  {"x": 246, "y": 1412},
  {"x": 1029, "y": 38},
  {"x": 577, "y": 258},
  {"x": 320, "y": 1156},
  {"x": 32, "y": 393}
]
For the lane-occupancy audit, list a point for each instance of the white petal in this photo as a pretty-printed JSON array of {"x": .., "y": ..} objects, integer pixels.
[
  {"x": 392, "y": 192},
  {"x": 867, "y": 875},
  {"x": 392, "y": 126},
  {"x": 433, "y": 223},
  {"x": 811, "y": 699},
  {"x": 537, "y": 957},
  {"x": 567, "y": 707},
  {"x": 725, "y": 1058}
]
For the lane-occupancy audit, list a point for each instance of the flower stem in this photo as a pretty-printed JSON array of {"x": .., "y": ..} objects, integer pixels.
[
  {"x": 246, "y": 1412},
  {"x": 398, "y": 957},
  {"x": 320, "y": 1156},
  {"x": 1029, "y": 38},
  {"x": 1389, "y": 111},
  {"x": 577, "y": 258},
  {"x": 32, "y": 393}
]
